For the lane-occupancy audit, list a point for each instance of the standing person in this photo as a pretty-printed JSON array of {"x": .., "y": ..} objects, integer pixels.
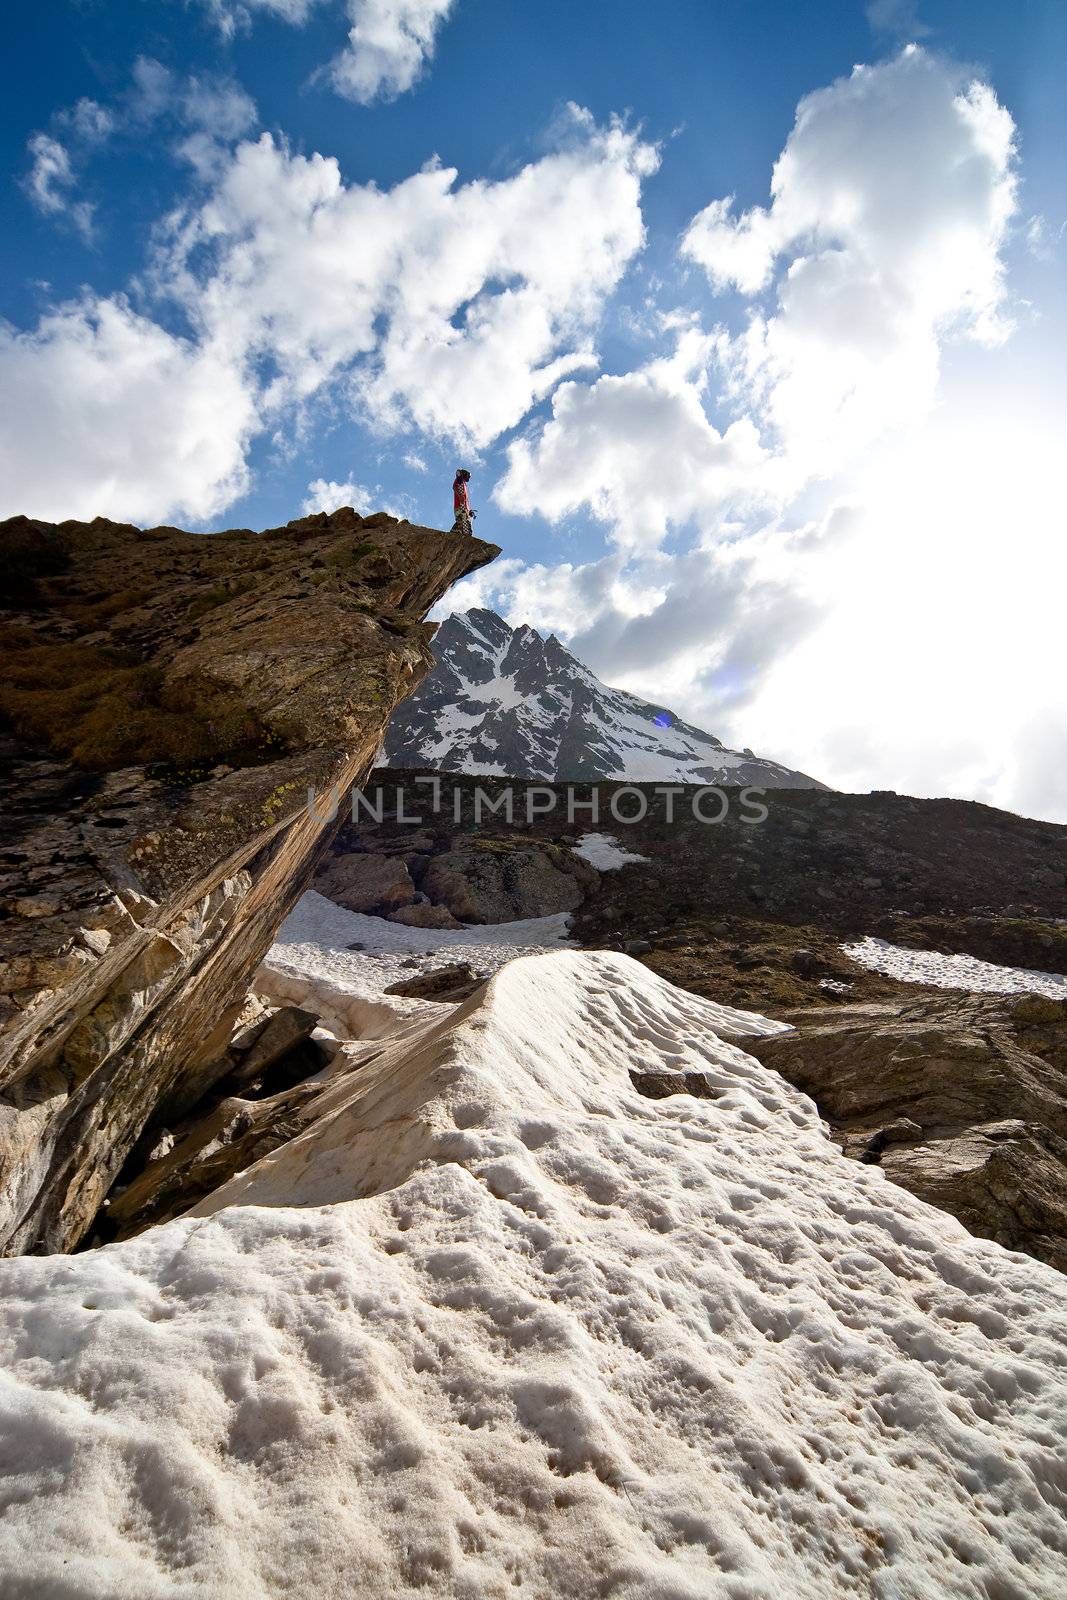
[{"x": 462, "y": 503}]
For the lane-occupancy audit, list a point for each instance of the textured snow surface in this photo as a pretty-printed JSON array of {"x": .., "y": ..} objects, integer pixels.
[
  {"x": 953, "y": 971},
  {"x": 522, "y": 1331},
  {"x": 311, "y": 961},
  {"x": 603, "y": 851}
]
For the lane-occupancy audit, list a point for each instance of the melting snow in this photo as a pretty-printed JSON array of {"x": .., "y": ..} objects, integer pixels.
[
  {"x": 953, "y": 971},
  {"x": 603, "y": 851},
  {"x": 312, "y": 961},
  {"x": 499, "y": 1325}
]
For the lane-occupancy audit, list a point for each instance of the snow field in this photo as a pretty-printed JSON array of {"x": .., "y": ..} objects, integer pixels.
[
  {"x": 498, "y": 1325},
  {"x": 953, "y": 971},
  {"x": 311, "y": 962}
]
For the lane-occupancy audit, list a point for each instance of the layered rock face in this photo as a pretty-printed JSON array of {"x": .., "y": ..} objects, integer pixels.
[
  {"x": 168, "y": 702},
  {"x": 958, "y": 1098}
]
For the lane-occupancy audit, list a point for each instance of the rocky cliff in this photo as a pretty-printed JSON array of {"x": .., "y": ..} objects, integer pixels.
[{"x": 168, "y": 702}]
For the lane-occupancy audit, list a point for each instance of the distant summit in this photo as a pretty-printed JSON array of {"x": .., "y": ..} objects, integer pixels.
[{"x": 506, "y": 701}]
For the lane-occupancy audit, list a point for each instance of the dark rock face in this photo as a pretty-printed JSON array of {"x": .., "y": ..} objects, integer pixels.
[
  {"x": 161, "y": 741},
  {"x": 506, "y": 885},
  {"x": 503, "y": 700},
  {"x": 961, "y": 1099},
  {"x": 660, "y": 1085},
  {"x": 445, "y": 985}
]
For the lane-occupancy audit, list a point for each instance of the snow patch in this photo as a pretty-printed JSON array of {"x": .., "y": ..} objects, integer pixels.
[
  {"x": 953, "y": 971},
  {"x": 603, "y": 851}
]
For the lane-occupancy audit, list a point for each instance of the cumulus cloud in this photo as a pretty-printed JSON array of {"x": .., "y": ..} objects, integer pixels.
[
  {"x": 451, "y": 308},
  {"x": 106, "y": 412},
  {"x": 389, "y": 44},
  {"x": 325, "y": 494},
  {"x": 638, "y": 451},
  {"x": 883, "y": 241},
  {"x": 890, "y": 206}
]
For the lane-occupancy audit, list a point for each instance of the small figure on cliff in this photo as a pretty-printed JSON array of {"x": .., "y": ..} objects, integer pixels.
[{"x": 462, "y": 503}]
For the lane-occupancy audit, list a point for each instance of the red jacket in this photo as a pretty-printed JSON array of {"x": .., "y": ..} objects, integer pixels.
[{"x": 460, "y": 497}]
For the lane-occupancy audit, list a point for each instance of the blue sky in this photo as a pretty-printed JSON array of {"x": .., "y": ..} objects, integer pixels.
[{"x": 193, "y": 333}]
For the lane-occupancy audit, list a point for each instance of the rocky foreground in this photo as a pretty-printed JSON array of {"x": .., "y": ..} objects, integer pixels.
[{"x": 169, "y": 699}]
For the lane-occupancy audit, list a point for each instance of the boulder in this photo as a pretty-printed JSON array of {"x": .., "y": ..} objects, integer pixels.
[
  {"x": 369, "y": 882},
  {"x": 658, "y": 1085},
  {"x": 424, "y": 915},
  {"x": 287, "y": 1028},
  {"x": 507, "y": 884},
  {"x": 447, "y": 985},
  {"x": 962, "y": 1099}
]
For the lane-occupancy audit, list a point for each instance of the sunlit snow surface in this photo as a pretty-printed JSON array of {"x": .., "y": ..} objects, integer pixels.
[
  {"x": 603, "y": 851},
  {"x": 312, "y": 961},
  {"x": 499, "y": 1325},
  {"x": 953, "y": 971}
]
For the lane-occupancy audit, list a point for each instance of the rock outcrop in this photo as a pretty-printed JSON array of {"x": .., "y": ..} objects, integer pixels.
[
  {"x": 170, "y": 703},
  {"x": 961, "y": 1099}
]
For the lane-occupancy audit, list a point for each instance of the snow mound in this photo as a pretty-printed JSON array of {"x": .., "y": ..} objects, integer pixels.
[
  {"x": 953, "y": 971},
  {"x": 603, "y": 851},
  {"x": 501, "y": 1325}
]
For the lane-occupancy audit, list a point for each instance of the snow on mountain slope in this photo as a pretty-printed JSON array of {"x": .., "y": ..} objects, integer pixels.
[
  {"x": 498, "y": 1324},
  {"x": 506, "y": 701}
]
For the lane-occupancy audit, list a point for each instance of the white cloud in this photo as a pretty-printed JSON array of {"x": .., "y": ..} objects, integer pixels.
[
  {"x": 890, "y": 205},
  {"x": 209, "y": 112},
  {"x": 89, "y": 120},
  {"x": 389, "y": 43},
  {"x": 105, "y": 412},
  {"x": 639, "y": 451},
  {"x": 939, "y": 657},
  {"x": 231, "y": 15},
  {"x": 451, "y": 308},
  {"x": 908, "y": 636},
  {"x": 324, "y": 494},
  {"x": 1041, "y": 239},
  {"x": 50, "y": 184}
]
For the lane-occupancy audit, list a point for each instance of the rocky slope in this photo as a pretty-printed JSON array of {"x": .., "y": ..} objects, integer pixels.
[
  {"x": 167, "y": 702},
  {"x": 504, "y": 700}
]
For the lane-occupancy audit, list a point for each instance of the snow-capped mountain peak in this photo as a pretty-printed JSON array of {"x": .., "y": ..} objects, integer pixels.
[{"x": 507, "y": 701}]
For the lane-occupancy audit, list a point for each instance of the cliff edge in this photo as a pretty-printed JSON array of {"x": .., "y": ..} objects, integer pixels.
[{"x": 168, "y": 701}]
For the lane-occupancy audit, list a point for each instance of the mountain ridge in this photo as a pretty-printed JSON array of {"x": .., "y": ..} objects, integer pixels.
[{"x": 505, "y": 701}]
